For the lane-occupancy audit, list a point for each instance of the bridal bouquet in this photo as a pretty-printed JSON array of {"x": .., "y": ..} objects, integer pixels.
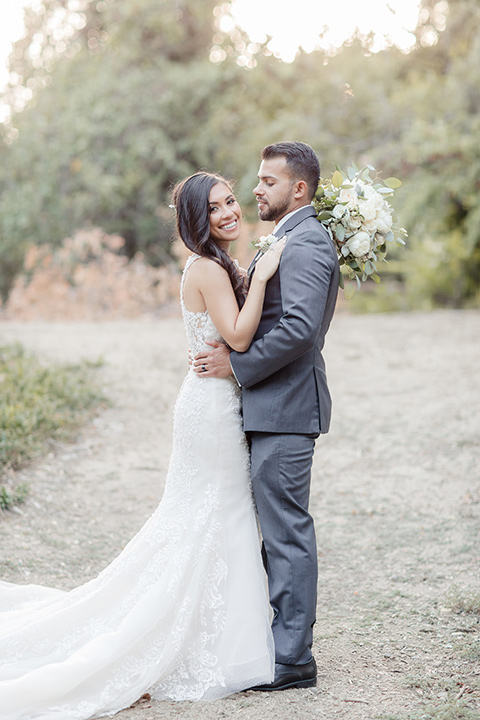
[{"x": 354, "y": 209}]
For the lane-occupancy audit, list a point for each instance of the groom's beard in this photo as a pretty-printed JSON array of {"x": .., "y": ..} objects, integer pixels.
[{"x": 275, "y": 212}]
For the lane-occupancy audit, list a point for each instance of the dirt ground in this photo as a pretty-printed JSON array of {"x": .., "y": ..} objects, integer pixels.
[{"x": 395, "y": 495}]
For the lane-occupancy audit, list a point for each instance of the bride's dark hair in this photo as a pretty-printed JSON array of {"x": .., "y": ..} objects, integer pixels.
[{"x": 190, "y": 198}]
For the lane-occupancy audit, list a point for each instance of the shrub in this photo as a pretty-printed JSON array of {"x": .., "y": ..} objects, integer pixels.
[{"x": 39, "y": 405}]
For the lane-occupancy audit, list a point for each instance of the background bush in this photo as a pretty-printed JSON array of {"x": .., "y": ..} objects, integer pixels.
[
  {"x": 136, "y": 94},
  {"x": 39, "y": 405}
]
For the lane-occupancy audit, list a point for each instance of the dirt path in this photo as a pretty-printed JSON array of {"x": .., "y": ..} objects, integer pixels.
[{"x": 396, "y": 498}]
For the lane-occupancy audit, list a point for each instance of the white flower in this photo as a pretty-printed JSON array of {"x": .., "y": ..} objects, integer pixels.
[
  {"x": 264, "y": 242},
  {"x": 359, "y": 244},
  {"x": 370, "y": 192},
  {"x": 384, "y": 222},
  {"x": 367, "y": 210},
  {"x": 339, "y": 211},
  {"x": 354, "y": 222},
  {"x": 379, "y": 201},
  {"x": 370, "y": 226},
  {"x": 348, "y": 195}
]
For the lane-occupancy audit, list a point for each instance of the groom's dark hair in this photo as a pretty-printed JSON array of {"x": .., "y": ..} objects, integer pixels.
[{"x": 302, "y": 162}]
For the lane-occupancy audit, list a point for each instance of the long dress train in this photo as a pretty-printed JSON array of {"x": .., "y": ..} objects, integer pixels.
[{"x": 182, "y": 612}]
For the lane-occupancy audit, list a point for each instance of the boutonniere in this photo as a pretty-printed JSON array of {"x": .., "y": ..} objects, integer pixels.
[{"x": 262, "y": 243}]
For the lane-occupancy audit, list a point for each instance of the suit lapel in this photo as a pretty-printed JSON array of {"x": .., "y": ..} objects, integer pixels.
[
  {"x": 292, "y": 222},
  {"x": 296, "y": 219},
  {"x": 251, "y": 267}
]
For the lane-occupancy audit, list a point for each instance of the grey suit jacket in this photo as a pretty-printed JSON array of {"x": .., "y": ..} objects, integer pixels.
[{"x": 282, "y": 374}]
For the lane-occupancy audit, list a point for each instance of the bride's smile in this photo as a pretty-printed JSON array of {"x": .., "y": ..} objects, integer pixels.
[{"x": 225, "y": 215}]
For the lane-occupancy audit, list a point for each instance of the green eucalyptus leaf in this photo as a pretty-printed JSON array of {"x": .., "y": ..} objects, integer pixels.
[
  {"x": 337, "y": 179},
  {"x": 324, "y": 215},
  {"x": 393, "y": 182},
  {"x": 349, "y": 291}
]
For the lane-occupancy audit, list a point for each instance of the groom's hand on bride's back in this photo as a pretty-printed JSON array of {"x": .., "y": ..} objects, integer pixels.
[{"x": 214, "y": 362}]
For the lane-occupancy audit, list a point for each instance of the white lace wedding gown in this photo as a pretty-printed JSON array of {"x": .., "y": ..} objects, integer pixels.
[{"x": 182, "y": 612}]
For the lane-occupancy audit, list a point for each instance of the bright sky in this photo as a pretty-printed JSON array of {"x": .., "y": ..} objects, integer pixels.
[
  {"x": 11, "y": 13},
  {"x": 299, "y": 24}
]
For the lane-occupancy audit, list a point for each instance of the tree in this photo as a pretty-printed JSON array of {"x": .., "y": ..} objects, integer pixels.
[
  {"x": 128, "y": 97},
  {"x": 103, "y": 141},
  {"x": 440, "y": 160}
]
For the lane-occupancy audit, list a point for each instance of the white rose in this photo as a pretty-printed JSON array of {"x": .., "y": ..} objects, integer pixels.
[
  {"x": 339, "y": 211},
  {"x": 378, "y": 200},
  {"x": 369, "y": 226},
  {"x": 367, "y": 210},
  {"x": 348, "y": 195},
  {"x": 384, "y": 222},
  {"x": 359, "y": 244},
  {"x": 354, "y": 222}
]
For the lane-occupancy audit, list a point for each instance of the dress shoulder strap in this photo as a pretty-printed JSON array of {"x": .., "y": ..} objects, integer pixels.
[{"x": 190, "y": 260}]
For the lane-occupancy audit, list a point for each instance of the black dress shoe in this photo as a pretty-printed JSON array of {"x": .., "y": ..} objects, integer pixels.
[{"x": 291, "y": 676}]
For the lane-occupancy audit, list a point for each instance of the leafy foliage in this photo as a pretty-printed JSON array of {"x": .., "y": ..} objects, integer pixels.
[
  {"x": 125, "y": 100},
  {"x": 39, "y": 404},
  {"x": 9, "y": 497},
  {"x": 106, "y": 152}
]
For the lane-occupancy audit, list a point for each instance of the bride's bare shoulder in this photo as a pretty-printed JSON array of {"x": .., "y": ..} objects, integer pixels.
[{"x": 207, "y": 267}]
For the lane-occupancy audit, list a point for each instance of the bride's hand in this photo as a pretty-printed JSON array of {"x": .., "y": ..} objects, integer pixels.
[{"x": 267, "y": 265}]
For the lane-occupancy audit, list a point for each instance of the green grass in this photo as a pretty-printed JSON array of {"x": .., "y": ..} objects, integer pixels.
[
  {"x": 10, "y": 496},
  {"x": 39, "y": 405}
]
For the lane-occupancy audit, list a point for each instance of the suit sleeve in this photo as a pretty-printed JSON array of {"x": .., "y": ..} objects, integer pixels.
[{"x": 306, "y": 271}]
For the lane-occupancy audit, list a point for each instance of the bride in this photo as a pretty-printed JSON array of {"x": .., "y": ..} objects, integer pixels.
[{"x": 182, "y": 612}]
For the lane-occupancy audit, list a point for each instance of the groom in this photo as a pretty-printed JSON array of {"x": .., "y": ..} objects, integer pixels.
[{"x": 286, "y": 403}]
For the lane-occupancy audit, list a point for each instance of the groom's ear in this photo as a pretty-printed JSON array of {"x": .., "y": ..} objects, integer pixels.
[{"x": 300, "y": 190}]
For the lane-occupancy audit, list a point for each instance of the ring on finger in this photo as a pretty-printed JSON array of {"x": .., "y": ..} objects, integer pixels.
[{"x": 204, "y": 369}]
